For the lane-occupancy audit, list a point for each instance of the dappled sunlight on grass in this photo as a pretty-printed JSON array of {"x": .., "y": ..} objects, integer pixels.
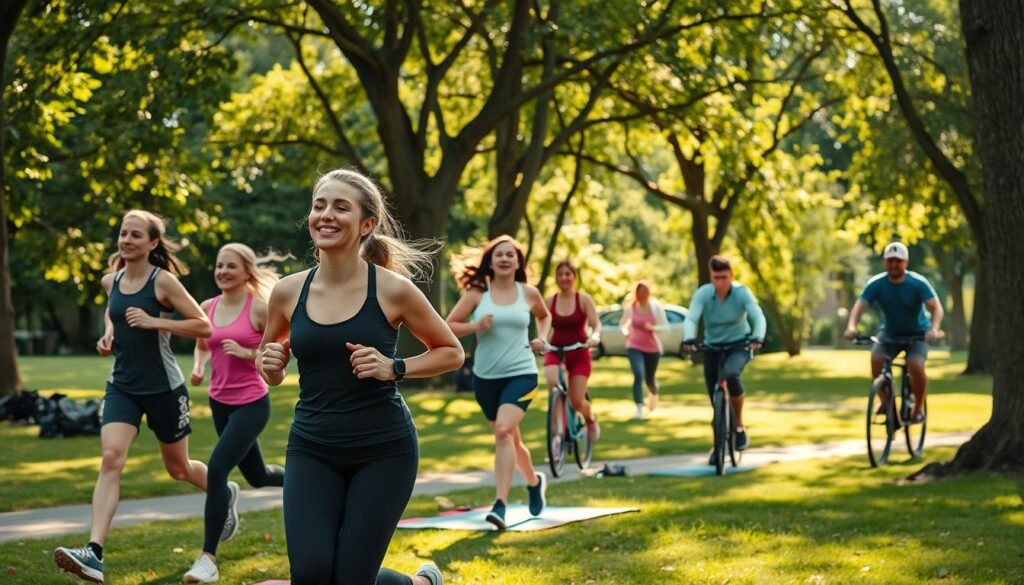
[{"x": 816, "y": 397}]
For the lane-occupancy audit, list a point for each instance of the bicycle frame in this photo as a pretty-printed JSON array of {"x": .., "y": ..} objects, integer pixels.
[
  {"x": 894, "y": 418},
  {"x": 568, "y": 434},
  {"x": 724, "y": 421}
]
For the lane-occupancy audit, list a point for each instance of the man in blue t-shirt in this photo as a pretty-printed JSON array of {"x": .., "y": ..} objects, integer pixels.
[
  {"x": 728, "y": 309},
  {"x": 903, "y": 296}
]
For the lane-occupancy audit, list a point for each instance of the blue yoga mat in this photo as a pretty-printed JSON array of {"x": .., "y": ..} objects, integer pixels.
[
  {"x": 698, "y": 470},
  {"x": 517, "y": 516}
]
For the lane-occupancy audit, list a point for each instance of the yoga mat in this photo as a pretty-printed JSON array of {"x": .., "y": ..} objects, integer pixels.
[
  {"x": 517, "y": 516},
  {"x": 698, "y": 470}
]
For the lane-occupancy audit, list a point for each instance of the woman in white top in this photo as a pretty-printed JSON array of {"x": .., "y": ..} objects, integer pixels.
[{"x": 497, "y": 306}]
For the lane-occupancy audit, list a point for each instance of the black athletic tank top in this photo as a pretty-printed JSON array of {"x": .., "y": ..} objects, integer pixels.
[
  {"x": 143, "y": 360},
  {"x": 335, "y": 407}
]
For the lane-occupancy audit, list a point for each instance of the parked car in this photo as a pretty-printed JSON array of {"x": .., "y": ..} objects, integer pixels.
[{"x": 613, "y": 342}]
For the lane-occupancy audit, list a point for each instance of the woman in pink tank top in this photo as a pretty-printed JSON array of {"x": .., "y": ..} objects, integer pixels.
[
  {"x": 238, "y": 395},
  {"x": 642, "y": 318}
]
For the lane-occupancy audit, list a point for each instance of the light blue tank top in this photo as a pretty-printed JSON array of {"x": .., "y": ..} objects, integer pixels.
[{"x": 504, "y": 350}]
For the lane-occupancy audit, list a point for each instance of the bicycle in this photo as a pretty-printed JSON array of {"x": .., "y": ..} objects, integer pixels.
[
  {"x": 567, "y": 430},
  {"x": 724, "y": 418},
  {"x": 884, "y": 420}
]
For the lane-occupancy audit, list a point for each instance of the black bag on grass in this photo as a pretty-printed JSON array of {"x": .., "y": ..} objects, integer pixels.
[
  {"x": 64, "y": 417},
  {"x": 22, "y": 407}
]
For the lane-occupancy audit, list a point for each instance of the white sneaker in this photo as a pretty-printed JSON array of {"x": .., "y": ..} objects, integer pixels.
[
  {"x": 639, "y": 411},
  {"x": 204, "y": 570},
  {"x": 652, "y": 401},
  {"x": 431, "y": 572}
]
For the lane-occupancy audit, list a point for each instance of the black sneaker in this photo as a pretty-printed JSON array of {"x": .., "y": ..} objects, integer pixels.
[
  {"x": 711, "y": 458},
  {"x": 79, "y": 561},
  {"x": 231, "y": 522},
  {"x": 742, "y": 440},
  {"x": 497, "y": 515},
  {"x": 537, "y": 494}
]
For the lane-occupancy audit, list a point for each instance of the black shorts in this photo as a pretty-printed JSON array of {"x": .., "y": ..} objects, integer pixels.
[
  {"x": 167, "y": 413},
  {"x": 491, "y": 393}
]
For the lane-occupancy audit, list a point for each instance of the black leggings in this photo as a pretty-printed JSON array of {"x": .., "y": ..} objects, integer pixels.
[
  {"x": 239, "y": 428},
  {"x": 735, "y": 361},
  {"x": 341, "y": 508}
]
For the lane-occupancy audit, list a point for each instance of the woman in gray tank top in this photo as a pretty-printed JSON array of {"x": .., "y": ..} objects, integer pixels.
[
  {"x": 144, "y": 292},
  {"x": 497, "y": 307}
]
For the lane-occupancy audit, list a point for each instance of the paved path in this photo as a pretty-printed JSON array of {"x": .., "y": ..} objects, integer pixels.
[{"x": 47, "y": 522}]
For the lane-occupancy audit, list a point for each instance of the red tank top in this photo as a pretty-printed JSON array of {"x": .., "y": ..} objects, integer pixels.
[{"x": 568, "y": 329}]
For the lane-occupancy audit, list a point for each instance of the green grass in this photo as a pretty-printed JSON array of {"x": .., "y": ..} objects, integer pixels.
[
  {"x": 813, "y": 522},
  {"x": 817, "y": 397}
]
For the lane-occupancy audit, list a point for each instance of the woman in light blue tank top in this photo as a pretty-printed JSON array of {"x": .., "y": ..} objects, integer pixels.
[{"x": 497, "y": 307}]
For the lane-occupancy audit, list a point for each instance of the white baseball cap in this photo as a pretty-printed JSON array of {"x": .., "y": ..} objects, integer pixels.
[{"x": 896, "y": 250}]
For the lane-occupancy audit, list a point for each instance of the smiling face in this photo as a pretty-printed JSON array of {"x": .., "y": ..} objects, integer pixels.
[
  {"x": 565, "y": 277},
  {"x": 134, "y": 241},
  {"x": 336, "y": 218},
  {"x": 230, "y": 272},
  {"x": 505, "y": 259}
]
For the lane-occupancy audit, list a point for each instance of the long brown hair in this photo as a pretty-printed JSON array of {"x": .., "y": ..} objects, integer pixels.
[
  {"x": 385, "y": 245},
  {"x": 162, "y": 255},
  {"x": 472, "y": 267}
]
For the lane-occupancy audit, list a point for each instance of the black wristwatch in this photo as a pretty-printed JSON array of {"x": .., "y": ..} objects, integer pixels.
[{"x": 399, "y": 366}]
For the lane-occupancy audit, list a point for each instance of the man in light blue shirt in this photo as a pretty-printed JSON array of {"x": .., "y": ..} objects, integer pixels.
[
  {"x": 728, "y": 308},
  {"x": 903, "y": 296}
]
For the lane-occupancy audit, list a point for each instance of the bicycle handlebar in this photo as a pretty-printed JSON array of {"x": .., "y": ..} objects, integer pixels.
[
  {"x": 745, "y": 344},
  {"x": 565, "y": 348},
  {"x": 870, "y": 339}
]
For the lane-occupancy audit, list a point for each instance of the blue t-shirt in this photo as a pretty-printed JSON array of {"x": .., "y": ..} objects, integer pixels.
[
  {"x": 902, "y": 304},
  {"x": 725, "y": 321}
]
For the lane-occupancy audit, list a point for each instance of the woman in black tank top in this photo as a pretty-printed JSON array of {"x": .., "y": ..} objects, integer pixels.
[
  {"x": 145, "y": 378},
  {"x": 352, "y": 453}
]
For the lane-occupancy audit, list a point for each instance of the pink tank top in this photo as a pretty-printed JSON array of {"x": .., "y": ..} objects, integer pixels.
[
  {"x": 639, "y": 337},
  {"x": 234, "y": 380}
]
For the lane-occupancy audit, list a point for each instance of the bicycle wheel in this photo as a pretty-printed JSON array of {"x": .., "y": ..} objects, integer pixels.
[
  {"x": 720, "y": 423},
  {"x": 584, "y": 448},
  {"x": 734, "y": 454},
  {"x": 556, "y": 431},
  {"x": 881, "y": 426},
  {"x": 915, "y": 433}
]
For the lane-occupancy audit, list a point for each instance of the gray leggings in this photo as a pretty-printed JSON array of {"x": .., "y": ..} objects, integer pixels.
[
  {"x": 645, "y": 367},
  {"x": 341, "y": 508}
]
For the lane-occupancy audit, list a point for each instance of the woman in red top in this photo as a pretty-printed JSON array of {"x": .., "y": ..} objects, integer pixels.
[{"x": 571, "y": 312}]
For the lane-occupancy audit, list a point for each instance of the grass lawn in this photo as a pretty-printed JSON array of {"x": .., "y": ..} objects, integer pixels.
[
  {"x": 819, "y": 396},
  {"x": 809, "y": 522}
]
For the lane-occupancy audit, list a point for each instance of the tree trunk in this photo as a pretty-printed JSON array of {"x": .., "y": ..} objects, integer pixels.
[
  {"x": 994, "y": 35},
  {"x": 952, "y": 270},
  {"x": 979, "y": 353},
  {"x": 958, "y": 317},
  {"x": 85, "y": 340},
  {"x": 702, "y": 246},
  {"x": 10, "y": 379}
]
